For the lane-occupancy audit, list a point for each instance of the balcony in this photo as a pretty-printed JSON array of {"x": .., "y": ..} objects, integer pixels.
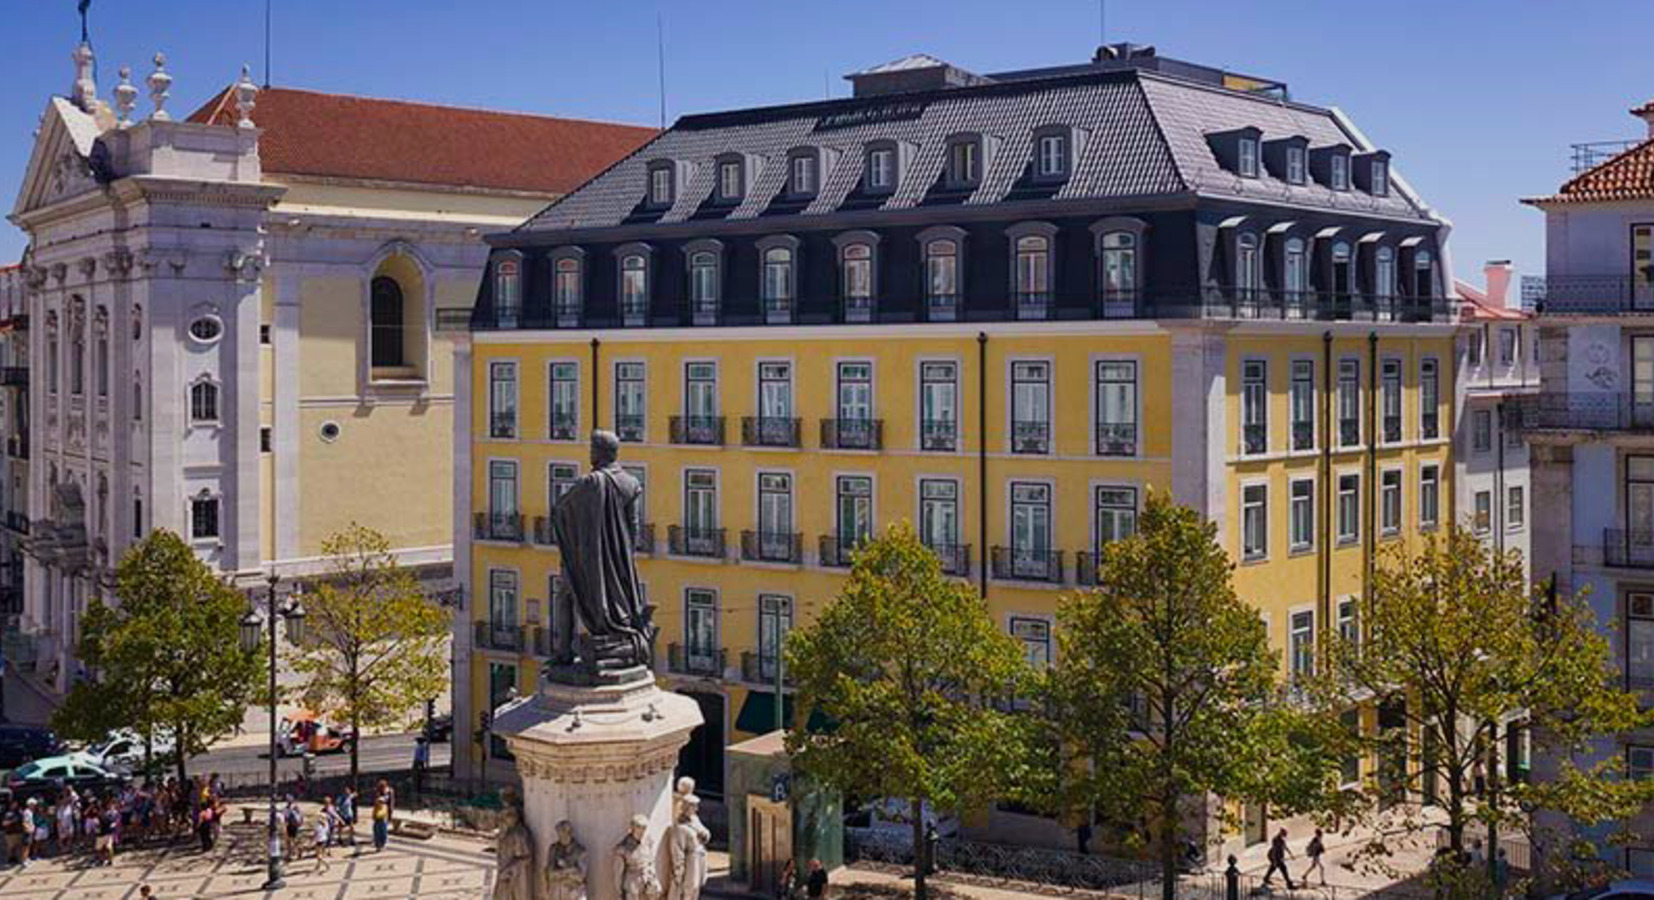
[
  {"x": 1033, "y": 306},
  {"x": 705, "y": 312},
  {"x": 1031, "y": 436},
  {"x": 760, "y": 668},
  {"x": 629, "y": 429},
  {"x": 634, "y": 315},
  {"x": 938, "y": 435},
  {"x": 17, "y": 446},
  {"x": 778, "y": 311},
  {"x": 1086, "y": 566},
  {"x": 1392, "y": 429},
  {"x": 1628, "y": 549},
  {"x": 772, "y": 546},
  {"x": 1303, "y": 435},
  {"x": 852, "y": 434},
  {"x": 706, "y": 543},
  {"x": 545, "y": 533},
  {"x": 1117, "y": 439},
  {"x": 700, "y": 661},
  {"x": 540, "y": 641},
  {"x": 1020, "y": 564},
  {"x": 942, "y": 308},
  {"x": 498, "y": 636},
  {"x": 857, "y": 310},
  {"x": 1597, "y": 411},
  {"x": 1349, "y": 432},
  {"x": 492, "y": 526},
  {"x": 1589, "y": 295},
  {"x": 16, "y": 522},
  {"x": 568, "y": 315},
  {"x": 704, "y": 431},
  {"x": 1430, "y": 426},
  {"x": 955, "y": 558},
  {"x": 1254, "y": 438},
  {"x": 14, "y": 376},
  {"x": 836, "y": 551},
  {"x": 563, "y": 427},
  {"x": 502, "y": 425},
  {"x": 643, "y": 543},
  {"x": 769, "y": 431}
]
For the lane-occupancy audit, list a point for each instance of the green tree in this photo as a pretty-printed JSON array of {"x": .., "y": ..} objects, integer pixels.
[
  {"x": 1459, "y": 642},
  {"x": 167, "y": 657},
  {"x": 908, "y": 667},
  {"x": 1166, "y": 691},
  {"x": 375, "y": 645}
]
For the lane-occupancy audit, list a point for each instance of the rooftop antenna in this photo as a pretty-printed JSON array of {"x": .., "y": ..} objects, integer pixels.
[
  {"x": 660, "y": 63},
  {"x": 86, "y": 34},
  {"x": 266, "y": 43},
  {"x": 1102, "y": 22}
]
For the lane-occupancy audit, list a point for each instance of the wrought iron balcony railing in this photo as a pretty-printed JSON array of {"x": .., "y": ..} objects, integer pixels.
[
  {"x": 1254, "y": 438},
  {"x": 1027, "y": 564},
  {"x": 562, "y": 427},
  {"x": 1392, "y": 429},
  {"x": 769, "y": 431},
  {"x": 502, "y": 425},
  {"x": 1303, "y": 435},
  {"x": 1633, "y": 549},
  {"x": 1629, "y": 294},
  {"x": 545, "y": 534},
  {"x": 1030, "y": 436},
  {"x": 643, "y": 542},
  {"x": 629, "y": 428},
  {"x": 852, "y": 434},
  {"x": 698, "y": 430},
  {"x": 778, "y": 310},
  {"x": 1430, "y": 426},
  {"x": 1349, "y": 432},
  {"x": 1035, "y": 306},
  {"x": 506, "y": 636},
  {"x": 707, "y": 662},
  {"x": 1117, "y": 439},
  {"x": 938, "y": 435},
  {"x": 760, "y": 668},
  {"x": 540, "y": 640},
  {"x": 837, "y": 551},
  {"x": 633, "y": 314},
  {"x": 942, "y": 308},
  {"x": 1086, "y": 566},
  {"x": 1579, "y": 411},
  {"x": 857, "y": 310},
  {"x": 569, "y": 314},
  {"x": 772, "y": 546},
  {"x": 955, "y": 558},
  {"x": 492, "y": 526},
  {"x": 703, "y": 542}
]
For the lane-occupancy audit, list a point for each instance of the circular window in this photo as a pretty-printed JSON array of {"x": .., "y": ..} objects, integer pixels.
[
  {"x": 206, "y": 328},
  {"x": 330, "y": 431}
]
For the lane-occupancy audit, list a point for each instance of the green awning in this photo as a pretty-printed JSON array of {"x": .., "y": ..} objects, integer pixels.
[{"x": 757, "y": 715}]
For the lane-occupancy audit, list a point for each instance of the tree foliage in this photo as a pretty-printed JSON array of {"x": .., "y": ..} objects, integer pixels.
[
  {"x": 375, "y": 645},
  {"x": 1166, "y": 690},
  {"x": 909, "y": 668},
  {"x": 167, "y": 657}
]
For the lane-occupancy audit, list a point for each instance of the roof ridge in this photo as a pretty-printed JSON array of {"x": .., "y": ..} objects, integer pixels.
[
  {"x": 451, "y": 107},
  {"x": 1603, "y": 166},
  {"x": 1160, "y": 132}
]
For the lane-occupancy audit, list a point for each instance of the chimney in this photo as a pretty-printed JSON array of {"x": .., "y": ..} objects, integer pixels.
[
  {"x": 1496, "y": 280},
  {"x": 1646, "y": 113}
]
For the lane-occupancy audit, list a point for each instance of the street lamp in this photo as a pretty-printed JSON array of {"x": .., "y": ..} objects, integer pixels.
[{"x": 252, "y": 633}]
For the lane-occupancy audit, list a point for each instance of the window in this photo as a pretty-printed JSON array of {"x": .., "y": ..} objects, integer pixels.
[
  {"x": 964, "y": 163},
  {"x": 802, "y": 175},
  {"x": 1031, "y": 555},
  {"x": 660, "y": 185},
  {"x": 1340, "y": 282},
  {"x": 1429, "y": 400},
  {"x": 1389, "y": 502},
  {"x": 938, "y": 406},
  {"x": 700, "y": 389},
  {"x": 1295, "y": 165},
  {"x": 137, "y": 517},
  {"x": 1507, "y": 347},
  {"x": 1302, "y": 643},
  {"x": 1302, "y": 402},
  {"x": 564, "y": 389},
  {"x": 778, "y": 279},
  {"x": 1639, "y": 639},
  {"x": 1384, "y": 273},
  {"x": 388, "y": 323},
  {"x": 1639, "y": 762},
  {"x": 1473, "y": 349},
  {"x": 1390, "y": 388},
  {"x": 502, "y": 493},
  {"x": 1033, "y": 269},
  {"x": 634, "y": 285},
  {"x": 700, "y": 630},
  {"x": 1116, "y": 407},
  {"x": 502, "y": 681},
  {"x": 775, "y": 620},
  {"x": 1247, "y": 164},
  {"x": 203, "y": 402},
  {"x": 1515, "y": 507},
  {"x": 775, "y": 402},
  {"x": 1424, "y": 275},
  {"x": 1349, "y": 402},
  {"x": 703, "y": 280},
  {"x": 502, "y": 400},
  {"x": 881, "y": 170},
  {"x": 560, "y": 478},
  {"x": 1030, "y": 407},
  {"x": 1295, "y": 271},
  {"x": 854, "y": 505},
  {"x": 566, "y": 285},
  {"x": 1035, "y": 636},
  {"x": 51, "y": 362},
  {"x": 1349, "y": 508},
  {"x": 939, "y": 520},
  {"x": 1116, "y": 513},
  {"x": 137, "y": 396},
  {"x": 1053, "y": 156},
  {"x": 1248, "y": 273},
  {"x": 775, "y": 516},
  {"x": 203, "y": 517},
  {"x": 207, "y": 329},
  {"x": 1349, "y": 621},
  {"x": 1254, "y": 521},
  {"x": 1481, "y": 430},
  {"x": 77, "y": 363},
  {"x": 1381, "y": 178},
  {"x": 700, "y": 505},
  {"x": 1340, "y": 173},
  {"x": 1429, "y": 496},
  {"x": 730, "y": 188},
  {"x": 1302, "y": 524},
  {"x": 942, "y": 275},
  {"x": 1482, "y": 521},
  {"x": 629, "y": 400},
  {"x": 508, "y": 295},
  {"x": 856, "y": 278},
  {"x": 1254, "y": 406},
  {"x": 1119, "y": 266}
]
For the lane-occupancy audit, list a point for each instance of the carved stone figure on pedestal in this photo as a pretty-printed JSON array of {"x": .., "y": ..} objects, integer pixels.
[
  {"x": 634, "y": 863},
  {"x": 595, "y": 523},
  {"x": 565, "y": 866},
  {"x": 686, "y": 844},
  {"x": 514, "y": 857}
]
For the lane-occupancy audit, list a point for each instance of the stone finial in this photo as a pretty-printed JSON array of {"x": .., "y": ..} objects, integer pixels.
[
  {"x": 126, "y": 97},
  {"x": 245, "y": 91},
  {"x": 85, "y": 91},
  {"x": 159, "y": 82}
]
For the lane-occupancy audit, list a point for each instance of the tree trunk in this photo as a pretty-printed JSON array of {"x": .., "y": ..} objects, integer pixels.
[
  {"x": 355, "y": 752},
  {"x": 1493, "y": 801},
  {"x": 180, "y": 740},
  {"x": 1455, "y": 785},
  {"x": 921, "y": 856},
  {"x": 1168, "y": 847}
]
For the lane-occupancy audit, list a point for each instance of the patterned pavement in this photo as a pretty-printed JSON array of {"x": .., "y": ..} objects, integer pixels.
[{"x": 442, "y": 868}]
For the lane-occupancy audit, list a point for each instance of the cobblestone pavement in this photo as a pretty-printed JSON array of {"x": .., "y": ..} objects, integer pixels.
[{"x": 442, "y": 868}]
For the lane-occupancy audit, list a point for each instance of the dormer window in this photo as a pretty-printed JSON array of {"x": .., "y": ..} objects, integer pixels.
[
  {"x": 1381, "y": 178},
  {"x": 1340, "y": 172},
  {"x": 731, "y": 186},
  {"x": 508, "y": 291},
  {"x": 1052, "y": 156},
  {"x": 1295, "y": 165},
  {"x": 566, "y": 283},
  {"x": 1247, "y": 159},
  {"x": 880, "y": 176},
  {"x": 660, "y": 184},
  {"x": 802, "y": 175},
  {"x": 965, "y": 163}
]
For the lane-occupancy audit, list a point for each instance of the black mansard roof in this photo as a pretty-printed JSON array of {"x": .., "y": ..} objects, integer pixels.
[{"x": 1139, "y": 134}]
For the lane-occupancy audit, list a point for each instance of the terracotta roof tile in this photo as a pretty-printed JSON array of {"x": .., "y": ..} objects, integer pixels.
[
  {"x": 335, "y": 135},
  {"x": 1626, "y": 176}
]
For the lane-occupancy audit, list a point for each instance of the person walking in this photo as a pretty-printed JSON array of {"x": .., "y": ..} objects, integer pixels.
[
  {"x": 26, "y": 845},
  {"x": 1316, "y": 849},
  {"x": 325, "y": 822},
  {"x": 204, "y": 826},
  {"x": 381, "y": 821},
  {"x": 1279, "y": 853},
  {"x": 815, "y": 886},
  {"x": 68, "y": 807},
  {"x": 12, "y": 825},
  {"x": 421, "y": 760},
  {"x": 109, "y": 821},
  {"x": 347, "y": 815},
  {"x": 787, "y": 885},
  {"x": 293, "y": 818}
]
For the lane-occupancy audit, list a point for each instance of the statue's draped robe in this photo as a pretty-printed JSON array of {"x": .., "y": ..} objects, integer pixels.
[{"x": 593, "y": 522}]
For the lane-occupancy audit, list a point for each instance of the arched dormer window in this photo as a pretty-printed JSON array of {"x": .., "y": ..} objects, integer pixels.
[
  {"x": 1031, "y": 268},
  {"x": 1119, "y": 249},
  {"x": 706, "y": 276},
  {"x": 634, "y": 284},
  {"x": 1294, "y": 269},
  {"x": 387, "y": 337},
  {"x": 1384, "y": 272},
  {"x": 1248, "y": 267},
  {"x": 858, "y": 274},
  {"x": 1424, "y": 274},
  {"x": 778, "y": 257},
  {"x": 508, "y": 291},
  {"x": 204, "y": 403},
  {"x": 943, "y": 249}
]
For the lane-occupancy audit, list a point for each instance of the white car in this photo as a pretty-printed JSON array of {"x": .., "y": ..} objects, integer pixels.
[
  {"x": 1619, "y": 890},
  {"x": 123, "y": 750},
  {"x": 890, "y": 821}
]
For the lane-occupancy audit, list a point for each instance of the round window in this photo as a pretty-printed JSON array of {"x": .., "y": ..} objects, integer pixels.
[
  {"x": 330, "y": 431},
  {"x": 206, "y": 328}
]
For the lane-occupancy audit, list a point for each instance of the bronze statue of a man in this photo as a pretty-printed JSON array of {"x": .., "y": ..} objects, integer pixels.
[{"x": 595, "y": 523}]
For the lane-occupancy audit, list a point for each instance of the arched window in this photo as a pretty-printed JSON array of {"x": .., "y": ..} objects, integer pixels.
[
  {"x": 1248, "y": 274},
  {"x": 203, "y": 516},
  {"x": 1119, "y": 265},
  {"x": 566, "y": 284},
  {"x": 1340, "y": 284},
  {"x": 508, "y": 291},
  {"x": 1033, "y": 261},
  {"x": 856, "y": 275},
  {"x": 778, "y": 278},
  {"x": 385, "y": 309},
  {"x": 1384, "y": 272},
  {"x": 1424, "y": 274},
  {"x": 703, "y": 279},
  {"x": 203, "y": 402},
  {"x": 634, "y": 284},
  {"x": 942, "y": 271},
  {"x": 1293, "y": 280}
]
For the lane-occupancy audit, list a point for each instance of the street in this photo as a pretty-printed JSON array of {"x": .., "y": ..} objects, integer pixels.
[{"x": 250, "y": 764}]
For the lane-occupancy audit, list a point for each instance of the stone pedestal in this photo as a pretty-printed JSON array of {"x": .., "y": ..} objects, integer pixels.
[{"x": 597, "y": 756}]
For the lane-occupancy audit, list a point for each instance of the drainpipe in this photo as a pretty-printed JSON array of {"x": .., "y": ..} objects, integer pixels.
[
  {"x": 982, "y": 458},
  {"x": 596, "y": 382},
  {"x": 1498, "y": 503},
  {"x": 1370, "y": 537},
  {"x": 1323, "y": 542}
]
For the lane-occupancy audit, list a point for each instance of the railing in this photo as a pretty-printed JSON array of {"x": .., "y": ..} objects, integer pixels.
[
  {"x": 705, "y": 312},
  {"x": 17, "y": 446},
  {"x": 1030, "y": 436},
  {"x": 1430, "y": 426},
  {"x": 633, "y": 315},
  {"x": 769, "y": 431},
  {"x": 955, "y": 558},
  {"x": 1033, "y": 306},
  {"x": 772, "y": 546},
  {"x": 942, "y": 307},
  {"x": 561, "y": 427},
  {"x": 759, "y": 668},
  {"x": 836, "y": 551},
  {"x": 938, "y": 435},
  {"x": 491, "y": 526},
  {"x": 1116, "y": 438},
  {"x": 502, "y": 425},
  {"x": 1349, "y": 432},
  {"x": 698, "y": 430},
  {"x": 852, "y": 434},
  {"x": 1628, "y": 549},
  {"x": 1392, "y": 429},
  {"x": 16, "y": 522},
  {"x": 703, "y": 542},
  {"x": 1086, "y": 566},
  {"x": 1303, "y": 435},
  {"x": 778, "y": 311},
  {"x": 644, "y": 542},
  {"x": 1601, "y": 411},
  {"x": 450, "y": 320},
  {"x": 1590, "y": 154},
  {"x": 541, "y": 640},
  {"x": 1589, "y": 295},
  {"x": 702, "y": 661},
  {"x": 568, "y": 314},
  {"x": 1012, "y": 866},
  {"x": 629, "y": 428},
  {"x": 14, "y": 376},
  {"x": 857, "y": 310},
  {"x": 1027, "y": 564},
  {"x": 1254, "y": 438},
  {"x": 498, "y": 636},
  {"x": 545, "y": 533}
]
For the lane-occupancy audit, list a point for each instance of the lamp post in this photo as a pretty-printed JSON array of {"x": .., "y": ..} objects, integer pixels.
[{"x": 252, "y": 633}]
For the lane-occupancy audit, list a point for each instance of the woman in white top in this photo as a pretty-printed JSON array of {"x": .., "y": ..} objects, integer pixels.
[
  {"x": 325, "y": 823},
  {"x": 66, "y": 821}
]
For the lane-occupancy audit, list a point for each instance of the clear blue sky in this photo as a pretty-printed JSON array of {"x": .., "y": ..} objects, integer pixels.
[{"x": 1477, "y": 99}]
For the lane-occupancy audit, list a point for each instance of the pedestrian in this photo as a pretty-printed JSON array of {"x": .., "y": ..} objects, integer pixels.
[
  {"x": 815, "y": 886},
  {"x": 107, "y": 824},
  {"x": 1279, "y": 852},
  {"x": 1501, "y": 874},
  {"x": 26, "y": 845},
  {"x": 326, "y": 823},
  {"x": 293, "y": 817},
  {"x": 67, "y": 820},
  {"x": 204, "y": 826},
  {"x": 42, "y": 830},
  {"x": 421, "y": 760},
  {"x": 389, "y": 793},
  {"x": 381, "y": 821},
  {"x": 1477, "y": 857},
  {"x": 347, "y": 815},
  {"x": 1314, "y": 851},
  {"x": 89, "y": 827},
  {"x": 12, "y": 825},
  {"x": 787, "y": 884}
]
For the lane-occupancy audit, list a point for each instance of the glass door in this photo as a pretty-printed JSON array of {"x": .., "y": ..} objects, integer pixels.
[
  {"x": 855, "y": 510},
  {"x": 1642, "y": 380},
  {"x": 775, "y": 516},
  {"x": 1030, "y": 530}
]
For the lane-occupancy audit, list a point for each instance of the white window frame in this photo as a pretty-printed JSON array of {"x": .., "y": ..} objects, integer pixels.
[
  {"x": 1300, "y": 543},
  {"x": 1246, "y": 157},
  {"x": 1516, "y": 496},
  {"x": 1098, "y": 362},
  {"x": 922, "y": 365},
  {"x": 1254, "y": 495},
  {"x": 1347, "y": 532},
  {"x": 1301, "y": 365},
  {"x": 1295, "y": 164},
  {"x": 1391, "y": 483},
  {"x": 1429, "y": 485}
]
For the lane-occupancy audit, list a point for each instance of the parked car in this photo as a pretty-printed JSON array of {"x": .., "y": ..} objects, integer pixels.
[
  {"x": 123, "y": 750},
  {"x": 885, "y": 827},
  {"x": 1619, "y": 890},
  {"x": 21, "y": 743},
  {"x": 440, "y": 729},
  {"x": 305, "y": 730},
  {"x": 43, "y": 778}
]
